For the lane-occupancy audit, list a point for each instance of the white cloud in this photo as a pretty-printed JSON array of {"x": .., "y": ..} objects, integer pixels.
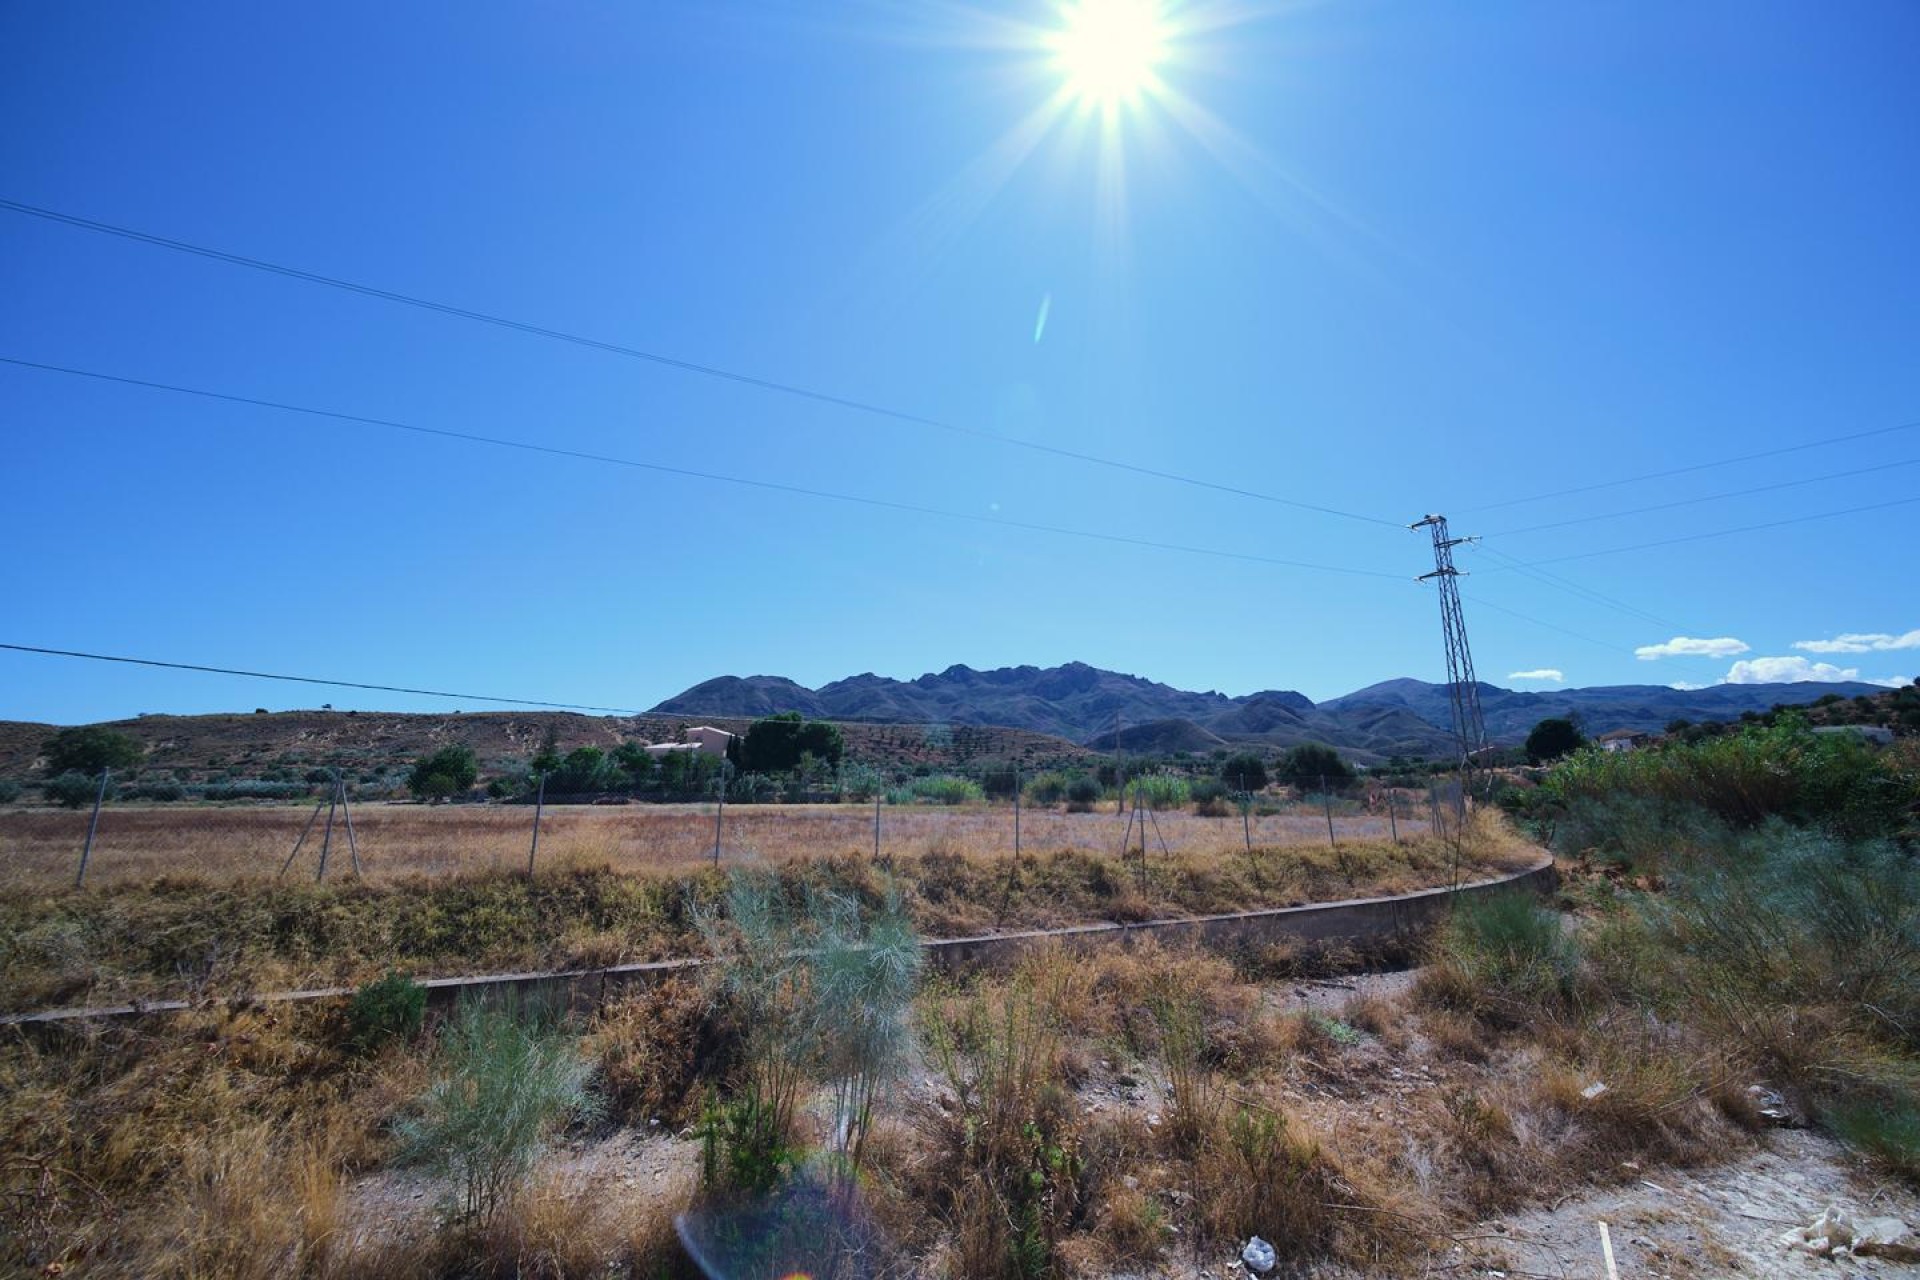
[
  {"x": 1688, "y": 647},
  {"x": 1787, "y": 671},
  {"x": 1542, "y": 673},
  {"x": 1861, "y": 642},
  {"x": 1684, "y": 687},
  {"x": 1893, "y": 682}
]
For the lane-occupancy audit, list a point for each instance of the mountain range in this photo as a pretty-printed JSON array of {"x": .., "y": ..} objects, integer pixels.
[{"x": 1086, "y": 704}]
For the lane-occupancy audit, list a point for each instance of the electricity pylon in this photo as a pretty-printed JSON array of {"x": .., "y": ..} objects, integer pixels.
[{"x": 1463, "y": 689}]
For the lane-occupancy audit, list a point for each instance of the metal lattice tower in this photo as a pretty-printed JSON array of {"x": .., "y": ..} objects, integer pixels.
[{"x": 1463, "y": 690}]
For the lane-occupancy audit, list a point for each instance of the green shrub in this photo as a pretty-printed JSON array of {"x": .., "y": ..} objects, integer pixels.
[
  {"x": 745, "y": 1146},
  {"x": 1244, "y": 771},
  {"x": 447, "y": 772},
  {"x": 1082, "y": 794},
  {"x": 1159, "y": 791},
  {"x": 1504, "y": 954},
  {"x": 389, "y": 1008},
  {"x": 507, "y": 1082},
  {"x": 74, "y": 790},
  {"x": 1746, "y": 776},
  {"x": 945, "y": 789},
  {"x": 9, "y": 791},
  {"x": 1314, "y": 766},
  {"x": 1886, "y": 1129},
  {"x": 1047, "y": 789},
  {"x": 1209, "y": 797}
]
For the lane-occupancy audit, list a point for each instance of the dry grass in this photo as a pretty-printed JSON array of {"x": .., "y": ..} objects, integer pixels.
[
  {"x": 137, "y": 844},
  {"x": 194, "y": 936}
]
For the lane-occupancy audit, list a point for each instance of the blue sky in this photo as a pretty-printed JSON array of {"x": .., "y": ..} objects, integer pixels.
[{"x": 1388, "y": 259}]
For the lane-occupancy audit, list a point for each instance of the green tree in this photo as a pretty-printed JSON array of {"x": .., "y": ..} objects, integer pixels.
[
  {"x": 89, "y": 749},
  {"x": 584, "y": 770},
  {"x": 1309, "y": 763},
  {"x": 547, "y": 758},
  {"x": 1244, "y": 771},
  {"x": 772, "y": 744},
  {"x": 823, "y": 741},
  {"x": 1552, "y": 738},
  {"x": 633, "y": 758},
  {"x": 447, "y": 772}
]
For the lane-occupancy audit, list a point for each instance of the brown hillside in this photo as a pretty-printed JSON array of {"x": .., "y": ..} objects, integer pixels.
[{"x": 358, "y": 740}]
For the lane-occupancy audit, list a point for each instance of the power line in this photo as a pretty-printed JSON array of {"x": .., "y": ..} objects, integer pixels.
[
  {"x": 690, "y": 473},
  {"x": 337, "y": 684},
  {"x": 1576, "y": 589},
  {"x": 1711, "y": 497},
  {"x": 1718, "y": 533},
  {"x": 666, "y": 361},
  {"x": 1515, "y": 613},
  {"x": 1698, "y": 466}
]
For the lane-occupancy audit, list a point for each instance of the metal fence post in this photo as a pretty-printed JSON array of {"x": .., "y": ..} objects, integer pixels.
[
  {"x": 1326, "y": 803},
  {"x": 876, "y": 825},
  {"x": 1393, "y": 824},
  {"x": 1016, "y": 814},
  {"x": 93, "y": 824},
  {"x": 539, "y": 804}
]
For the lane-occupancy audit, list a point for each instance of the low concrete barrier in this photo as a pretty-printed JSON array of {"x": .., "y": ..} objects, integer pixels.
[{"x": 1358, "y": 921}]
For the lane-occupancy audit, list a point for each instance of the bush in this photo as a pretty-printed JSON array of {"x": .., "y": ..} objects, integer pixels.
[
  {"x": 1312, "y": 766},
  {"x": 1887, "y": 1130},
  {"x": 1159, "y": 791},
  {"x": 389, "y": 1008},
  {"x": 1082, "y": 794},
  {"x": 507, "y": 1082},
  {"x": 74, "y": 790},
  {"x": 9, "y": 791},
  {"x": 945, "y": 789},
  {"x": 447, "y": 772},
  {"x": 1047, "y": 789},
  {"x": 1209, "y": 797},
  {"x": 1501, "y": 954},
  {"x": 1754, "y": 773},
  {"x": 1244, "y": 771}
]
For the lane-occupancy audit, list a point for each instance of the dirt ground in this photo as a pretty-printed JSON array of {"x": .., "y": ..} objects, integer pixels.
[{"x": 1724, "y": 1220}]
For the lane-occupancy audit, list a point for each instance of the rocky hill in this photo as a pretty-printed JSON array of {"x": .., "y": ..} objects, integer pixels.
[{"x": 1086, "y": 704}]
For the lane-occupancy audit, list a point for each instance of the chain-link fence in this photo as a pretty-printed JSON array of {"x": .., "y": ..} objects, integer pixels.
[{"x": 142, "y": 828}]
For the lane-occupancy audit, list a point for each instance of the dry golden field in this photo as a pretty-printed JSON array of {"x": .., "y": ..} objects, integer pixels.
[{"x": 40, "y": 848}]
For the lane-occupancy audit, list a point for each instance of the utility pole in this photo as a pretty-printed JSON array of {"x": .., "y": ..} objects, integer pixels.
[{"x": 1463, "y": 690}]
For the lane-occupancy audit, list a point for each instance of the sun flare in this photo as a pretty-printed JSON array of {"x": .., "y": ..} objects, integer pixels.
[{"x": 1109, "y": 51}]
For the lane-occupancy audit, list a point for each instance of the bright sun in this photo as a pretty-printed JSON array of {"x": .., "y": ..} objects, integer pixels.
[{"x": 1108, "y": 49}]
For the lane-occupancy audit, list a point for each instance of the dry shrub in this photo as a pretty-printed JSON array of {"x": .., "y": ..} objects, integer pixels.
[
  {"x": 651, "y": 1047},
  {"x": 1260, "y": 1172},
  {"x": 1385, "y": 1018},
  {"x": 1131, "y": 1224},
  {"x": 1458, "y": 1035},
  {"x": 1658, "y": 1103},
  {"x": 1005, "y": 1159}
]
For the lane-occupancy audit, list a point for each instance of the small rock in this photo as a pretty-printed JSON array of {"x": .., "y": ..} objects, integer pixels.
[
  {"x": 1593, "y": 1090},
  {"x": 1130, "y": 1182},
  {"x": 1153, "y": 1119}
]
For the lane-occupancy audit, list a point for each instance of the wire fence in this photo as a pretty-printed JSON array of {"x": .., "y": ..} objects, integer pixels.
[{"x": 119, "y": 835}]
